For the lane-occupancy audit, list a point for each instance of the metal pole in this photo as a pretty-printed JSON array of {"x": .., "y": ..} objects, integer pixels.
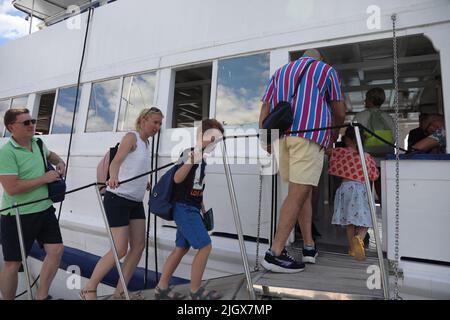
[
  {"x": 31, "y": 17},
  {"x": 373, "y": 213},
  {"x": 113, "y": 245},
  {"x": 22, "y": 252},
  {"x": 237, "y": 222}
]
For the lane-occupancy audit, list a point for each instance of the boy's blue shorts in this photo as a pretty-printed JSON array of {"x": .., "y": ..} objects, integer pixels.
[{"x": 190, "y": 228}]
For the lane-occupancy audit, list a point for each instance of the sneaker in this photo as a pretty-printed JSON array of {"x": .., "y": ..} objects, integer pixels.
[
  {"x": 309, "y": 256},
  {"x": 283, "y": 263}
]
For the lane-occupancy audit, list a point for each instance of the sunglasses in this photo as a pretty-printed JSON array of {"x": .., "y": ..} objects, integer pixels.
[{"x": 28, "y": 122}]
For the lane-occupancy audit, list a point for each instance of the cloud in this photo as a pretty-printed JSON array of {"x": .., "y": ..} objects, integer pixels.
[
  {"x": 12, "y": 22},
  {"x": 234, "y": 109}
]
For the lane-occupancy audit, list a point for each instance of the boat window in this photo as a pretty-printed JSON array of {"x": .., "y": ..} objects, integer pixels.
[
  {"x": 4, "y": 105},
  {"x": 191, "y": 96},
  {"x": 45, "y": 112},
  {"x": 240, "y": 83},
  {"x": 18, "y": 102},
  {"x": 137, "y": 93},
  {"x": 103, "y": 105},
  {"x": 365, "y": 65},
  {"x": 65, "y": 105}
]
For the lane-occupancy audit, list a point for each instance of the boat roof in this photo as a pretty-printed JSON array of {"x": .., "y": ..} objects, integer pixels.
[{"x": 44, "y": 9}]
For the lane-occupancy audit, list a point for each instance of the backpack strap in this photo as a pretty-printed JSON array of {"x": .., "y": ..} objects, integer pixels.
[
  {"x": 41, "y": 148},
  {"x": 297, "y": 84}
]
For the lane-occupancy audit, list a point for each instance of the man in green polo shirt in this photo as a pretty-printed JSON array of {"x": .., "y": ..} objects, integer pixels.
[{"x": 23, "y": 177}]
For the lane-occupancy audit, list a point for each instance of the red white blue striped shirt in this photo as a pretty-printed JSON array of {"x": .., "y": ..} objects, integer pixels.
[{"x": 311, "y": 106}]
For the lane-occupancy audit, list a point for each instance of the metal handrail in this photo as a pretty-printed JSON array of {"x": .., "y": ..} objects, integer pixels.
[
  {"x": 23, "y": 254},
  {"x": 237, "y": 221},
  {"x": 373, "y": 213},
  {"x": 113, "y": 246}
]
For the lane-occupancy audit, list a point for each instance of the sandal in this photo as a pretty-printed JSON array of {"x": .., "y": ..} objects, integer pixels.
[
  {"x": 203, "y": 294},
  {"x": 167, "y": 294},
  {"x": 133, "y": 296},
  {"x": 358, "y": 245},
  {"x": 84, "y": 292}
]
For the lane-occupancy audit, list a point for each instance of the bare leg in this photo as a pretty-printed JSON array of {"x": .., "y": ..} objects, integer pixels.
[
  {"x": 54, "y": 252},
  {"x": 9, "y": 279},
  {"x": 305, "y": 221},
  {"x": 137, "y": 245},
  {"x": 198, "y": 267},
  {"x": 289, "y": 213},
  {"x": 361, "y": 232},
  {"x": 107, "y": 262},
  {"x": 170, "y": 266},
  {"x": 350, "y": 234}
]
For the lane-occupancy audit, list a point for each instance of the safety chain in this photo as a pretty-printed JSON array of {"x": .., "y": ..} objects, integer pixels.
[
  {"x": 397, "y": 163},
  {"x": 258, "y": 232}
]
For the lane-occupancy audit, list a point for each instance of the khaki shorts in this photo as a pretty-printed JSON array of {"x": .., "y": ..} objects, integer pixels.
[{"x": 300, "y": 160}]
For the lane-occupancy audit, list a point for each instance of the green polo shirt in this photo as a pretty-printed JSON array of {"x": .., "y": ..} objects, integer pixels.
[{"x": 27, "y": 165}]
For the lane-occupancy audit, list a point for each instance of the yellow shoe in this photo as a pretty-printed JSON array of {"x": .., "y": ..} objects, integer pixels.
[
  {"x": 351, "y": 253},
  {"x": 358, "y": 245}
]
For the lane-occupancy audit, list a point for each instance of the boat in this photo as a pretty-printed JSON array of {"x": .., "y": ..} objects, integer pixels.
[{"x": 197, "y": 59}]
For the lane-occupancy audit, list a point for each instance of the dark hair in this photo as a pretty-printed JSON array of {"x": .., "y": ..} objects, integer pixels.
[
  {"x": 351, "y": 135},
  {"x": 211, "y": 124},
  {"x": 376, "y": 96},
  {"x": 11, "y": 115}
]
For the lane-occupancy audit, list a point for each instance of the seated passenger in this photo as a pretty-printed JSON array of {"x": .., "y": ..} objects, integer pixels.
[
  {"x": 436, "y": 140},
  {"x": 419, "y": 133}
]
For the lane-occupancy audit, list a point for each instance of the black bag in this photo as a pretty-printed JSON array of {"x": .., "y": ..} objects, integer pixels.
[
  {"x": 281, "y": 117},
  {"x": 208, "y": 220},
  {"x": 56, "y": 189}
]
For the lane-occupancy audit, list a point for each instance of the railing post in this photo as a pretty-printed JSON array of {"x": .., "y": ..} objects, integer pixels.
[
  {"x": 23, "y": 253},
  {"x": 370, "y": 199},
  {"x": 237, "y": 222},
  {"x": 113, "y": 245}
]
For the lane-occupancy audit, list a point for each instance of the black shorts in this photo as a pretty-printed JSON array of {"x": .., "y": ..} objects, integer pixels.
[
  {"x": 120, "y": 211},
  {"x": 41, "y": 226}
]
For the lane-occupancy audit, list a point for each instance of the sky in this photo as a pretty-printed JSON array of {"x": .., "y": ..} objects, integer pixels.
[{"x": 12, "y": 22}]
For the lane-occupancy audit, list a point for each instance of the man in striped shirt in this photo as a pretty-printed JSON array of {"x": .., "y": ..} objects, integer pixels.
[{"x": 317, "y": 104}]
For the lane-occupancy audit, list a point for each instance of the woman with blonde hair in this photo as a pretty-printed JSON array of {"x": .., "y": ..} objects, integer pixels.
[{"x": 123, "y": 203}]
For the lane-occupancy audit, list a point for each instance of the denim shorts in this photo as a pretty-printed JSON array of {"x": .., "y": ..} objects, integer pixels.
[
  {"x": 191, "y": 231},
  {"x": 120, "y": 211}
]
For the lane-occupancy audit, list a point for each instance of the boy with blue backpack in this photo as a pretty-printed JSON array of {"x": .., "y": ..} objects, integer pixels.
[{"x": 187, "y": 199}]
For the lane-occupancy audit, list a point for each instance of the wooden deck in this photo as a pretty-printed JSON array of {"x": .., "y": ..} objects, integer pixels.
[{"x": 334, "y": 276}]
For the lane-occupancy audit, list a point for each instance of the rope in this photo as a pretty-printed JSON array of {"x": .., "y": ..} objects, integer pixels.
[{"x": 224, "y": 138}]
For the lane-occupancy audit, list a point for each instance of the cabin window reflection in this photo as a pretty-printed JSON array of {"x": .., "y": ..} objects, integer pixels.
[
  {"x": 240, "y": 84},
  {"x": 4, "y": 106},
  {"x": 19, "y": 102},
  {"x": 137, "y": 93},
  {"x": 65, "y": 105},
  {"x": 45, "y": 112},
  {"x": 103, "y": 105}
]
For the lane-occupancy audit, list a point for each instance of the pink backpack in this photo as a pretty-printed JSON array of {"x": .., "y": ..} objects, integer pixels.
[{"x": 103, "y": 167}]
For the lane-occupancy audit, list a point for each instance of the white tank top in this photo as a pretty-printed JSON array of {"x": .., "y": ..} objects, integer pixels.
[{"x": 134, "y": 164}]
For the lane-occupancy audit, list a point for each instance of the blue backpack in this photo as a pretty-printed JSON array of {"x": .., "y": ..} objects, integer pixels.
[{"x": 159, "y": 202}]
